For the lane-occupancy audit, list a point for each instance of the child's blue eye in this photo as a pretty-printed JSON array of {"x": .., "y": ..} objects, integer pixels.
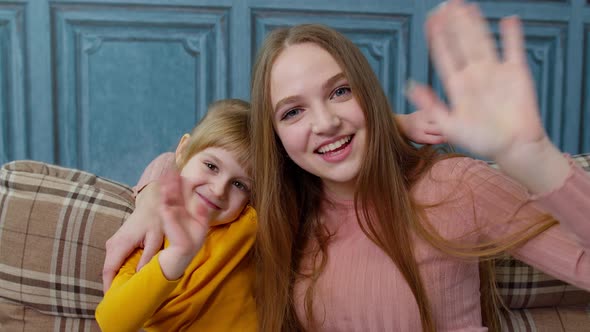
[
  {"x": 240, "y": 186},
  {"x": 210, "y": 166}
]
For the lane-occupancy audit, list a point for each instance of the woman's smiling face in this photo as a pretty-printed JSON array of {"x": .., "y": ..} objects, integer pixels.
[{"x": 316, "y": 116}]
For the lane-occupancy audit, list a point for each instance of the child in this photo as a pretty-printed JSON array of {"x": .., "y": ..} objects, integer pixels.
[{"x": 202, "y": 278}]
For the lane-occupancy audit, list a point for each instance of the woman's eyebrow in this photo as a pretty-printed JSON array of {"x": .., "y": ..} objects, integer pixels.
[
  {"x": 286, "y": 100},
  {"x": 332, "y": 80},
  {"x": 327, "y": 85}
]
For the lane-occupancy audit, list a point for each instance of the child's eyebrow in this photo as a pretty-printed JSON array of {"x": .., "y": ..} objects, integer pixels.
[
  {"x": 246, "y": 179},
  {"x": 215, "y": 159},
  {"x": 219, "y": 163}
]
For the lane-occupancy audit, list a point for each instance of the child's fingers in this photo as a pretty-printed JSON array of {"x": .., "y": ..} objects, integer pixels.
[
  {"x": 424, "y": 98},
  {"x": 172, "y": 206},
  {"x": 152, "y": 243},
  {"x": 118, "y": 248},
  {"x": 170, "y": 189},
  {"x": 432, "y": 127}
]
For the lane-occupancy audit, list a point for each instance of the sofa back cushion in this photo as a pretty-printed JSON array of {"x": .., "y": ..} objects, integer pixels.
[{"x": 54, "y": 223}]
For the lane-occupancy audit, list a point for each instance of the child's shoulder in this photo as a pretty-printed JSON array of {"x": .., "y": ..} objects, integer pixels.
[
  {"x": 249, "y": 215},
  {"x": 243, "y": 226}
]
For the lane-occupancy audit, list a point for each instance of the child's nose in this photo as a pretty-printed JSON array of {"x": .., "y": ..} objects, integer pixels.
[{"x": 218, "y": 188}]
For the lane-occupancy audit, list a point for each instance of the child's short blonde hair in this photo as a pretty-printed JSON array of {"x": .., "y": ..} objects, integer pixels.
[{"x": 226, "y": 125}]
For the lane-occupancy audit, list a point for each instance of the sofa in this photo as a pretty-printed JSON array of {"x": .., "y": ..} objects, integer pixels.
[{"x": 54, "y": 222}]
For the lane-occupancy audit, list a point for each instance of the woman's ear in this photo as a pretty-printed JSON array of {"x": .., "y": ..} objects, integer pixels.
[{"x": 180, "y": 149}]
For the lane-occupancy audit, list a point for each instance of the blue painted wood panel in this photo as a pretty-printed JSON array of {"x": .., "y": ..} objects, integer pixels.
[
  {"x": 132, "y": 80},
  {"x": 106, "y": 85},
  {"x": 585, "y": 117},
  {"x": 13, "y": 139},
  {"x": 383, "y": 39}
]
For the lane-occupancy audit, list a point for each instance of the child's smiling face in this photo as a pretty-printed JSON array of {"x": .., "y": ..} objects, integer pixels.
[{"x": 219, "y": 185}]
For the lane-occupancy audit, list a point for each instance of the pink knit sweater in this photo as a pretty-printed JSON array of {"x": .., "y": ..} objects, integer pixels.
[{"x": 362, "y": 290}]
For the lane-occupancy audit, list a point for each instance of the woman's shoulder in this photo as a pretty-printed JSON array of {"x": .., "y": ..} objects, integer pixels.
[
  {"x": 457, "y": 167},
  {"x": 453, "y": 174},
  {"x": 463, "y": 174}
]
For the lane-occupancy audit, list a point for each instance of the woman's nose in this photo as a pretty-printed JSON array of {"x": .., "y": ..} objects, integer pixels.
[{"x": 325, "y": 121}]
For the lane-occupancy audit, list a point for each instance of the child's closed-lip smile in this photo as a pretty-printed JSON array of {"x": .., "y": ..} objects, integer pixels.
[{"x": 208, "y": 202}]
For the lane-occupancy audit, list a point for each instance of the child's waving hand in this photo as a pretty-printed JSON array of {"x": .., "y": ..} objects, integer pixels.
[{"x": 185, "y": 230}]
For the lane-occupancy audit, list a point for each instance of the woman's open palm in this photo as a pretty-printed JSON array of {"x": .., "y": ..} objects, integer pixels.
[{"x": 493, "y": 108}]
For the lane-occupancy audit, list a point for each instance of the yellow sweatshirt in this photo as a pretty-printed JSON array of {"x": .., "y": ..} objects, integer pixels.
[{"x": 216, "y": 292}]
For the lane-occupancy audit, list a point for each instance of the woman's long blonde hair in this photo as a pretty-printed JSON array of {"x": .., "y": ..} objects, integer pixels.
[{"x": 287, "y": 198}]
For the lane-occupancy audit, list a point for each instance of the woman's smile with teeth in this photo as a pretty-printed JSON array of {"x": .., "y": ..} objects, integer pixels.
[{"x": 335, "y": 145}]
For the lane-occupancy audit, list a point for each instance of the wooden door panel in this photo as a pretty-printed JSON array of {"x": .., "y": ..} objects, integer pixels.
[
  {"x": 585, "y": 112},
  {"x": 13, "y": 129},
  {"x": 106, "y": 85},
  {"x": 131, "y": 80},
  {"x": 383, "y": 39}
]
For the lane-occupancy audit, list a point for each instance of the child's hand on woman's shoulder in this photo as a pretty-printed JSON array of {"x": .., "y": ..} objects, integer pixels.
[{"x": 421, "y": 127}]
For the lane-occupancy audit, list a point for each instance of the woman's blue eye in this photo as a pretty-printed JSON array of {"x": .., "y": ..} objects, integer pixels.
[
  {"x": 291, "y": 113},
  {"x": 341, "y": 91}
]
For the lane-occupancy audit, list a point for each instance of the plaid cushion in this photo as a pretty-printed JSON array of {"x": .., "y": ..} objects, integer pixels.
[
  {"x": 552, "y": 319},
  {"x": 54, "y": 223},
  {"x": 522, "y": 286},
  {"x": 17, "y": 317}
]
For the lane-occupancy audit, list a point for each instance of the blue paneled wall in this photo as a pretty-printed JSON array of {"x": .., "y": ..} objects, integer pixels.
[{"x": 107, "y": 85}]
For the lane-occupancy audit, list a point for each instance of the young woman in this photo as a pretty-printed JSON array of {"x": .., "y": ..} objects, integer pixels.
[{"x": 359, "y": 230}]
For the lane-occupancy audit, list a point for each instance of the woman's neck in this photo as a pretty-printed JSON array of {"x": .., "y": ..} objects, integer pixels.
[{"x": 339, "y": 191}]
